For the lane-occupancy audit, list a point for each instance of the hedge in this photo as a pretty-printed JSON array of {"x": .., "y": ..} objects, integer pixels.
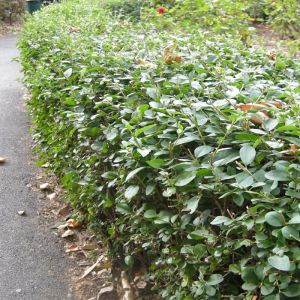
[{"x": 181, "y": 150}]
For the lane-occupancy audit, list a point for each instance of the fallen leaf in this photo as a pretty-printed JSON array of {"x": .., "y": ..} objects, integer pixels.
[
  {"x": 106, "y": 264},
  {"x": 107, "y": 293},
  {"x": 68, "y": 233},
  {"x": 272, "y": 55},
  {"x": 171, "y": 57},
  {"x": 46, "y": 165},
  {"x": 2, "y": 160},
  {"x": 250, "y": 106},
  {"x": 21, "y": 213},
  {"x": 45, "y": 186},
  {"x": 89, "y": 246},
  {"x": 51, "y": 196},
  {"x": 72, "y": 223},
  {"x": 75, "y": 29},
  {"x": 91, "y": 268},
  {"x": 258, "y": 118},
  {"x": 276, "y": 104},
  {"x": 62, "y": 227},
  {"x": 107, "y": 289},
  {"x": 72, "y": 248},
  {"x": 293, "y": 148}
]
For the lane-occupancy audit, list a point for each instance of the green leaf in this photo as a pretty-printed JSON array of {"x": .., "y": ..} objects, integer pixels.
[
  {"x": 290, "y": 233},
  {"x": 186, "y": 140},
  {"x": 68, "y": 72},
  {"x": 196, "y": 85},
  {"x": 281, "y": 263},
  {"x": 232, "y": 92},
  {"x": 277, "y": 175},
  {"x": 169, "y": 191},
  {"x": 144, "y": 152},
  {"x": 200, "y": 235},
  {"x": 246, "y": 182},
  {"x": 215, "y": 279},
  {"x": 129, "y": 261},
  {"x": 272, "y": 297},
  {"x": 220, "y": 220},
  {"x": 247, "y": 154},
  {"x": 133, "y": 173},
  {"x": 156, "y": 163},
  {"x": 270, "y": 124},
  {"x": 111, "y": 134},
  {"x": 149, "y": 189},
  {"x": 295, "y": 220},
  {"x": 192, "y": 204},
  {"x": 150, "y": 214},
  {"x": 234, "y": 268},
  {"x": 267, "y": 289},
  {"x": 199, "y": 250},
  {"x": 143, "y": 129},
  {"x": 153, "y": 93},
  {"x": 202, "y": 150},
  {"x": 131, "y": 191},
  {"x": 292, "y": 291},
  {"x": 185, "y": 178},
  {"x": 274, "y": 218}
]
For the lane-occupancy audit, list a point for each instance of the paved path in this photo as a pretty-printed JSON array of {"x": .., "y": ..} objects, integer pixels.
[{"x": 32, "y": 266}]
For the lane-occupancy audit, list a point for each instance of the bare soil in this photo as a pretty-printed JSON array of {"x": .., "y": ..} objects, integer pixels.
[{"x": 271, "y": 40}]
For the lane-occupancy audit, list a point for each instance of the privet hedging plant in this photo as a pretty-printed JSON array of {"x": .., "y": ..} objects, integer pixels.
[{"x": 181, "y": 150}]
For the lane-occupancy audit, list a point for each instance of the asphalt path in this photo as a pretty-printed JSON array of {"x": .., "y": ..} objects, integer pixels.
[{"x": 32, "y": 265}]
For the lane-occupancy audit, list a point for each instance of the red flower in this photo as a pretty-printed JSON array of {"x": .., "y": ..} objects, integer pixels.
[{"x": 161, "y": 10}]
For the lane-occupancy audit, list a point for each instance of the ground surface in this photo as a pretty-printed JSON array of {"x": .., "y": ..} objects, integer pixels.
[{"x": 32, "y": 264}]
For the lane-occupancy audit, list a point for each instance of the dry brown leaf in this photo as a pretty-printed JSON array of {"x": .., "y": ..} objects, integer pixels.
[
  {"x": 258, "y": 118},
  {"x": 72, "y": 223},
  {"x": 171, "y": 57},
  {"x": 272, "y": 55},
  {"x": 250, "y": 106},
  {"x": 106, "y": 264},
  {"x": 89, "y": 246},
  {"x": 75, "y": 29},
  {"x": 68, "y": 233},
  {"x": 72, "y": 248},
  {"x": 276, "y": 104},
  {"x": 293, "y": 148}
]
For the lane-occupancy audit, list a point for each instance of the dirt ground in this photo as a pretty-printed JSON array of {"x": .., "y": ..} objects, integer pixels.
[{"x": 271, "y": 40}]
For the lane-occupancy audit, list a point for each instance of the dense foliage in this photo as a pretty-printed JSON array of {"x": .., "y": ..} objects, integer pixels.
[
  {"x": 10, "y": 10},
  {"x": 180, "y": 149},
  {"x": 217, "y": 15}
]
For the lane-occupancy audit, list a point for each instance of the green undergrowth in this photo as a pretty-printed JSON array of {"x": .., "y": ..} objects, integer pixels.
[{"x": 160, "y": 158}]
